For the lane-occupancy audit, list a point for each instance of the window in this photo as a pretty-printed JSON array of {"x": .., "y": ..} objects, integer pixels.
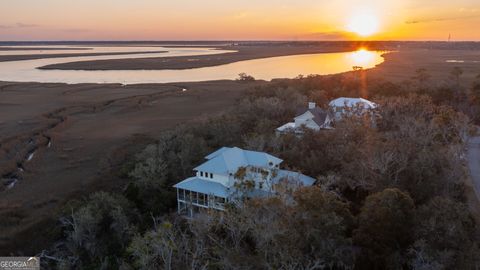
[
  {"x": 257, "y": 170},
  {"x": 201, "y": 174},
  {"x": 181, "y": 194},
  {"x": 194, "y": 196},
  {"x": 201, "y": 199},
  {"x": 219, "y": 200},
  {"x": 211, "y": 175}
]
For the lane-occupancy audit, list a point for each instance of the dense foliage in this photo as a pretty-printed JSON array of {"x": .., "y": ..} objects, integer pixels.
[{"x": 388, "y": 195}]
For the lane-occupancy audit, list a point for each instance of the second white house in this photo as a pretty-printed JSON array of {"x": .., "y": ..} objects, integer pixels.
[{"x": 312, "y": 117}]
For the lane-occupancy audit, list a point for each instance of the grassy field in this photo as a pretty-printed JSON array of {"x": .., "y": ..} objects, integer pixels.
[
  {"x": 92, "y": 126},
  {"x": 401, "y": 65}
]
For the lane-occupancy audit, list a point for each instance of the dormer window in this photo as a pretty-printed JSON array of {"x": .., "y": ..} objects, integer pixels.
[{"x": 202, "y": 192}]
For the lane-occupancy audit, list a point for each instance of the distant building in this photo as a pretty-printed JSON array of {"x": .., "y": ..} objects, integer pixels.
[
  {"x": 312, "y": 117},
  {"x": 231, "y": 174},
  {"x": 351, "y": 106}
]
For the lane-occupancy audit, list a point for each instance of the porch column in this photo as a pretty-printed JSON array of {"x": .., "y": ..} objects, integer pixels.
[{"x": 178, "y": 202}]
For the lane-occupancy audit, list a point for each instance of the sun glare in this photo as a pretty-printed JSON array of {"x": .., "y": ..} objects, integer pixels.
[
  {"x": 362, "y": 57},
  {"x": 363, "y": 24}
]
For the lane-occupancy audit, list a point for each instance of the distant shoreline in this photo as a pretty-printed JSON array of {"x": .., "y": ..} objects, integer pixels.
[
  {"x": 100, "y": 121},
  {"x": 189, "y": 62},
  {"x": 8, "y": 58},
  {"x": 247, "y": 50}
]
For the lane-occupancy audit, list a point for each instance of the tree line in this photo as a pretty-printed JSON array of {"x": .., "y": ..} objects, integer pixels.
[{"x": 388, "y": 196}]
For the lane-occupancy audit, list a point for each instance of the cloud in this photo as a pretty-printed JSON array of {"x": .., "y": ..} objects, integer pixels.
[
  {"x": 17, "y": 25},
  {"x": 76, "y": 30},
  {"x": 442, "y": 19},
  {"x": 25, "y": 25},
  {"x": 331, "y": 35},
  {"x": 468, "y": 10},
  {"x": 241, "y": 15}
]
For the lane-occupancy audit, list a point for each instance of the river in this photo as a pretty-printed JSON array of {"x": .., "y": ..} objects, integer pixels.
[{"x": 264, "y": 68}]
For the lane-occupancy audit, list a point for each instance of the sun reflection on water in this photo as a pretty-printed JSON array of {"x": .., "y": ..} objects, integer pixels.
[
  {"x": 263, "y": 68},
  {"x": 362, "y": 58}
]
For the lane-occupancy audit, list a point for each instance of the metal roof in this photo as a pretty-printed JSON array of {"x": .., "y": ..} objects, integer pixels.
[
  {"x": 204, "y": 186},
  {"x": 228, "y": 160},
  {"x": 351, "y": 102},
  {"x": 215, "y": 188},
  {"x": 294, "y": 178},
  {"x": 319, "y": 115}
]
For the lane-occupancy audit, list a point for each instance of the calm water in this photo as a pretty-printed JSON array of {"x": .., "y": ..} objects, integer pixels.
[{"x": 266, "y": 68}]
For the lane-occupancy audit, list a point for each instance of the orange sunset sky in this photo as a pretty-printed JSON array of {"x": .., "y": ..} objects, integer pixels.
[{"x": 239, "y": 20}]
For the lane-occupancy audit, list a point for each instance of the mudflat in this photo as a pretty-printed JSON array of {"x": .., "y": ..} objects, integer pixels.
[
  {"x": 243, "y": 52},
  {"x": 402, "y": 65},
  {"x": 76, "y": 133},
  {"x": 13, "y": 48},
  {"x": 5, "y": 58},
  {"x": 399, "y": 65}
]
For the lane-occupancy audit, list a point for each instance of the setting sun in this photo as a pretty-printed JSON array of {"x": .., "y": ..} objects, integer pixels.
[
  {"x": 363, "y": 24},
  {"x": 171, "y": 131}
]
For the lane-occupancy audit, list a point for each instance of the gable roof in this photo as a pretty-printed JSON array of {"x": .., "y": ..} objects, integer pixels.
[
  {"x": 216, "y": 153},
  {"x": 211, "y": 187},
  {"x": 204, "y": 186},
  {"x": 351, "y": 102},
  {"x": 228, "y": 160},
  {"x": 294, "y": 178},
  {"x": 287, "y": 126},
  {"x": 319, "y": 115}
]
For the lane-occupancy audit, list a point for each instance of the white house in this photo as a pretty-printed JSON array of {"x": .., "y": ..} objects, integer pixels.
[
  {"x": 312, "y": 117},
  {"x": 349, "y": 106},
  {"x": 230, "y": 174}
]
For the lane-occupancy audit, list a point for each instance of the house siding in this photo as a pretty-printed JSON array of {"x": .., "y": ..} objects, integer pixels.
[{"x": 209, "y": 190}]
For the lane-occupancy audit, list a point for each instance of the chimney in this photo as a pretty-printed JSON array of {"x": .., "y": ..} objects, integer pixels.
[{"x": 311, "y": 105}]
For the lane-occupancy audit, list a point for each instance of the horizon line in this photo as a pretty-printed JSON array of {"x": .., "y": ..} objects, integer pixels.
[{"x": 231, "y": 40}]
